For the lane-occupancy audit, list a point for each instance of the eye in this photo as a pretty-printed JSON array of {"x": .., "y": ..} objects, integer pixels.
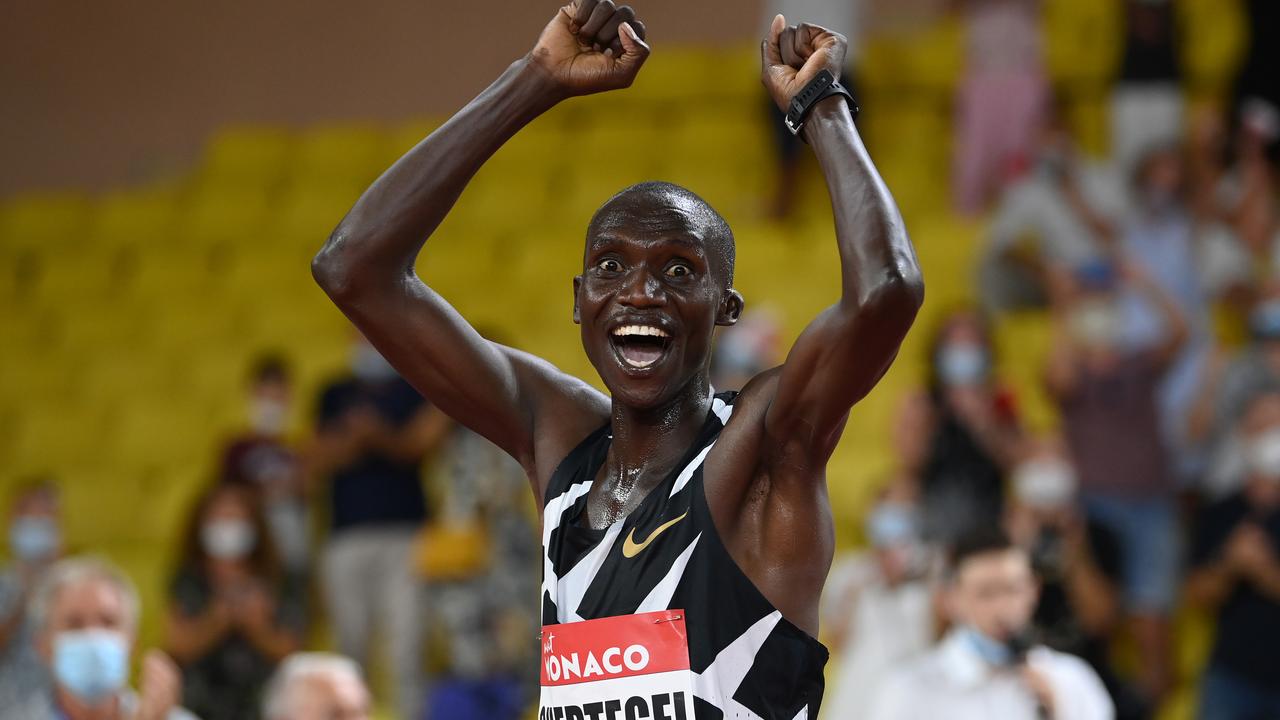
[
  {"x": 609, "y": 265},
  {"x": 678, "y": 270}
]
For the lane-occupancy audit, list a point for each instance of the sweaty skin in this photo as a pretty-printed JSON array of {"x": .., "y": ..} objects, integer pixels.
[{"x": 655, "y": 256}]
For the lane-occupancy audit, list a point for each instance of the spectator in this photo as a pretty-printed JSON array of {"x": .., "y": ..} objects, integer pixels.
[
  {"x": 1000, "y": 97},
  {"x": 1235, "y": 561},
  {"x": 986, "y": 666},
  {"x": 1063, "y": 210},
  {"x": 1257, "y": 77},
  {"x": 85, "y": 613},
  {"x": 747, "y": 349},
  {"x": 1227, "y": 389},
  {"x": 35, "y": 542},
  {"x": 479, "y": 558},
  {"x": 1159, "y": 236},
  {"x": 1107, "y": 393},
  {"x": 261, "y": 459},
  {"x": 845, "y": 17},
  {"x": 878, "y": 606},
  {"x": 317, "y": 686},
  {"x": 959, "y": 436},
  {"x": 1146, "y": 105},
  {"x": 233, "y": 613},
  {"x": 373, "y": 435},
  {"x": 1077, "y": 564}
]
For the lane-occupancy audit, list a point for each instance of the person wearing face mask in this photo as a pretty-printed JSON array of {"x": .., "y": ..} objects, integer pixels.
[
  {"x": 958, "y": 438},
  {"x": 987, "y": 665},
  {"x": 233, "y": 614},
  {"x": 878, "y": 609},
  {"x": 373, "y": 438},
  {"x": 262, "y": 459},
  {"x": 1230, "y": 384},
  {"x": 1107, "y": 392},
  {"x": 85, "y": 612},
  {"x": 35, "y": 543},
  {"x": 317, "y": 686},
  {"x": 1235, "y": 572},
  {"x": 1077, "y": 563}
]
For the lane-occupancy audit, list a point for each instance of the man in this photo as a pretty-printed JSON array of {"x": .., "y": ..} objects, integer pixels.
[
  {"x": 86, "y": 617},
  {"x": 986, "y": 667},
  {"x": 1076, "y": 563},
  {"x": 1108, "y": 393},
  {"x": 1235, "y": 561},
  {"x": 35, "y": 543},
  {"x": 373, "y": 436},
  {"x": 879, "y": 604},
  {"x": 262, "y": 459},
  {"x": 662, "y": 506},
  {"x": 317, "y": 686}
]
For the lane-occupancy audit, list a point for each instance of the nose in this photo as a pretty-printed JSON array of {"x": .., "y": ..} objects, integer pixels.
[{"x": 642, "y": 289}]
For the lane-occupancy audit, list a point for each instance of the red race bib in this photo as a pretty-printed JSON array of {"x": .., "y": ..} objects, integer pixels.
[{"x": 630, "y": 667}]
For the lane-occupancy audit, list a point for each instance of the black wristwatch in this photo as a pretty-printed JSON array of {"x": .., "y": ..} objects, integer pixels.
[{"x": 820, "y": 88}]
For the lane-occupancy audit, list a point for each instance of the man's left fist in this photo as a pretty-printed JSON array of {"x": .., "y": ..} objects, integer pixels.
[{"x": 794, "y": 55}]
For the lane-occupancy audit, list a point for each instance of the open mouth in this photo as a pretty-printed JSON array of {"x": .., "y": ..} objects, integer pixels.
[{"x": 640, "y": 346}]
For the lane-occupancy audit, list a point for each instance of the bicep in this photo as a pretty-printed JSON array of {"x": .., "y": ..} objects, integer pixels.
[{"x": 834, "y": 363}]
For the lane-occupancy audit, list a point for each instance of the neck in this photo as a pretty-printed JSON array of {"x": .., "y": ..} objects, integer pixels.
[
  {"x": 76, "y": 709},
  {"x": 654, "y": 438}
]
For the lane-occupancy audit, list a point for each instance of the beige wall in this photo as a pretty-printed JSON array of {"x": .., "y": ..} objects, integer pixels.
[{"x": 101, "y": 93}]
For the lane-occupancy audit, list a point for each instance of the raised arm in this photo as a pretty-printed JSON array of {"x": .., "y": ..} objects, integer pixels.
[
  {"x": 367, "y": 266},
  {"x": 845, "y": 350}
]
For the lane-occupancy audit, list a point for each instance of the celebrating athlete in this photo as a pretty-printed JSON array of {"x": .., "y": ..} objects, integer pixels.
[{"x": 686, "y": 536}]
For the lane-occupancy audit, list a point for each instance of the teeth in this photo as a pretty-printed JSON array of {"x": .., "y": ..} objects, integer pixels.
[
  {"x": 643, "y": 364},
  {"x": 640, "y": 330}
]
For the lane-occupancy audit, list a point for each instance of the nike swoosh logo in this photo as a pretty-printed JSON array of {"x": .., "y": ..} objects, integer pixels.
[{"x": 630, "y": 548}]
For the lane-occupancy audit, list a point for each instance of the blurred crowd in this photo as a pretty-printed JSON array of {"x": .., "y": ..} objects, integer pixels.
[{"x": 1008, "y": 573}]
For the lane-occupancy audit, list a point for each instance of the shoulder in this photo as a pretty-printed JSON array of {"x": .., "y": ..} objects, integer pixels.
[
  {"x": 35, "y": 706},
  {"x": 1068, "y": 670}
]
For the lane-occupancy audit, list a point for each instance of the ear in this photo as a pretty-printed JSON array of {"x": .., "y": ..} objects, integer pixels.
[
  {"x": 577, "y": 287},
  {"x": 730, "y": 308}
]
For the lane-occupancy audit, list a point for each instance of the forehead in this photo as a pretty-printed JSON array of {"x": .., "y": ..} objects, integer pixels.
[
  {"x": 96, "y": 597},
  {"x": 1001, "y": 566},
  {"x": 662, "y": 217}
]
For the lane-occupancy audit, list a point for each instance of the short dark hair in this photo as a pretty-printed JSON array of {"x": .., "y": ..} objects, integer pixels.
[
  {"x": 719, "y": 235},
  {"x": 978, "y": 541},
  {"x": 269, "y": 367}
]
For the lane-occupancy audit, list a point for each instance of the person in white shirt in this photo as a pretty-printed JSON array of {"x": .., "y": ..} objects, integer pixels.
[
  {"x": 878, "y": 606},
  {"x": 986, "y": 667}
]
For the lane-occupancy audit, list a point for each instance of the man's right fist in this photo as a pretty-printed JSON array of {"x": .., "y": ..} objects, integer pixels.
[{"x": 591, "y": 46}]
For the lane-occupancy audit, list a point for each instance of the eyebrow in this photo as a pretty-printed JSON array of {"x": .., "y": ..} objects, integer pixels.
[{"x": 681, "y": 239}]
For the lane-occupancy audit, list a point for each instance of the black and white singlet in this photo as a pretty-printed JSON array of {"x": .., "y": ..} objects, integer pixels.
[{"x": 747, "y": 660}]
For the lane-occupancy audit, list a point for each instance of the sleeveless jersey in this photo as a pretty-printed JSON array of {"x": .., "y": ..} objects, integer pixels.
[{"x": 747, "y": 660}]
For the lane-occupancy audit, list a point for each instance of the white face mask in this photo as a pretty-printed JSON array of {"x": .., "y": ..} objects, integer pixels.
[
  {"x": 1263, "y": 454},
  {"x": 962, "y": 364},
  {"x": 228, "y": 539},
  {"x": 1044, "y": 483},
  {"x": 1096, "y": 323},
  {"x": 267, "y": 416}
]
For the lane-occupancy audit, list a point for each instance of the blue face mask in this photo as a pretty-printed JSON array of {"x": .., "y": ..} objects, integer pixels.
[
  {"x": 91, "y": 664},
  {"x": 992, "y": 652},
  {"x": 34, "y": 538},
  {"x": 891, "y": 524},
  {"x": 962, "y": 364}
]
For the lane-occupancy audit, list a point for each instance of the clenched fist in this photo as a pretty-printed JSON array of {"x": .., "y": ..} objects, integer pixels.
[
  {"x": 794, "y": 55},
  {"x": 591, "y": 46}
]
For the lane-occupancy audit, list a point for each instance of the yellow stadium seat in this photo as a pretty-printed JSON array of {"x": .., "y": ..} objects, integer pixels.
[
  {"x": 247, "y": 156},
  {"x": 43, "y": 220},
  {"x": 134, "y": 217},
  {"x": 339, "y": 153},
  {"x": 234, "y": 215}
]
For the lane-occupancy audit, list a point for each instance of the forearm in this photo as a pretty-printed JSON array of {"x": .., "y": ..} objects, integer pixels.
[
  {"x": 192, "y": 638},
  {"x": 381, "y": 236},
  {"x": 274, "y": 643},
  {"x": 1093, "y": 597},
  {"x": 875, "y": 253},
  {"x": 1209, "y": 586}
]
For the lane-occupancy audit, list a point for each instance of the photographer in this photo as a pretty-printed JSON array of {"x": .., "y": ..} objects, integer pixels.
[{"x": 986, "y": 666}]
